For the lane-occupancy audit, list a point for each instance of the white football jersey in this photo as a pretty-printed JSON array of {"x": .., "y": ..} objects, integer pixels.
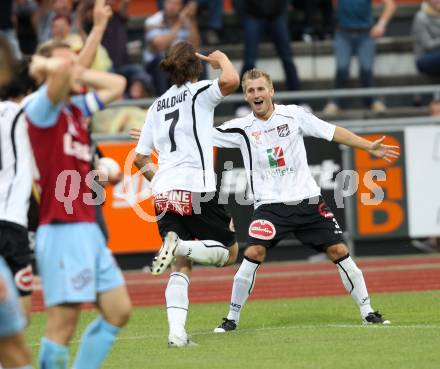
[
  {"x": 273, "y": 152},
  {"x": 16, "y": 165},
  {"x": 179, "y": 127}
]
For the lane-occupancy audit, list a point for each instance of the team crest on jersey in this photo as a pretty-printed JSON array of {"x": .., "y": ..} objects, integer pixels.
[
  {"x": 262, "y": 229},
  {"x": 256, "y": 137},
  {"x": 276, "y": 157},
  {"x": 283, "y": 130}
]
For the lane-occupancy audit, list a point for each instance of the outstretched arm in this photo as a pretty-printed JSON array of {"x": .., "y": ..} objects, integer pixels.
[{"x": 376, "y": 148}]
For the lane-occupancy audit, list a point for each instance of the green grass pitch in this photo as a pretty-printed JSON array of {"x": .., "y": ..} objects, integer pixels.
[{"x": 311, "y": 333}]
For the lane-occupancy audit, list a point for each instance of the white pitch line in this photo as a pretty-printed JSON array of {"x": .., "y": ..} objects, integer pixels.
[{"x": 264, "y": 329}]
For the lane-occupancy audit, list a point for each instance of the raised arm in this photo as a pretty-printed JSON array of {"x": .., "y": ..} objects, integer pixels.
[
  {"x": 376, "y": 148},
  {"x": 101, "y": 15},
  {"x": 229, "y": 79},
  {"x": 56, "y": 72},
  {"x": 108, "y": 86}
]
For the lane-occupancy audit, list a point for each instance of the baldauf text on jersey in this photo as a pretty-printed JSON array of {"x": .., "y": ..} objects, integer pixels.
[{"x": 169, "y": 102}]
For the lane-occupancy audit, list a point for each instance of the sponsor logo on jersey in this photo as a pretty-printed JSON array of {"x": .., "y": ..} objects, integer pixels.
[
  {"x": 283, "y": 130},
  {"x": 76, "y": 149},
  {"x": 256, "y": 137},
  {"x": 262, "y": 229},
  {"x": 24, "y": 278},
  {"x": 276, "y": 157}
]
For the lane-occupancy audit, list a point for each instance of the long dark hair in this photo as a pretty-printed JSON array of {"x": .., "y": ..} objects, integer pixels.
[{"x": 182, "y": 64}]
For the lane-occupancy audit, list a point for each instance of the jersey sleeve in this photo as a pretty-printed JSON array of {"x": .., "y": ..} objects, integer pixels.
[
  {"x": 210, "y": 94},
  {"x": 88, "y": 104},
  {"x": 311, "y": 125},
  {"x": 227, "y": 136},
  {"x": 40, "y": 111},
  {"x": 145, "y": 144}
]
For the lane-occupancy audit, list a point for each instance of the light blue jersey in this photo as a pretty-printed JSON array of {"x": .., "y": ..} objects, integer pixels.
[
  {"x": 12, "y": 320},
  {"x": 75, "y": 263}
]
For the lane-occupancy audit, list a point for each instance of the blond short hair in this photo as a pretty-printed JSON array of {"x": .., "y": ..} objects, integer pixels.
[
  {"x": 255, "y": 74},
  {"x": 46, "y": 48}
]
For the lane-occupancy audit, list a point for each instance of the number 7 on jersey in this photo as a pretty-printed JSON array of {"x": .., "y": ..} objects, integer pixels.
[{"x": 174, "y": 115}]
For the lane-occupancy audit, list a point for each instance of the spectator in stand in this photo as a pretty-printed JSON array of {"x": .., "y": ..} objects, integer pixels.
[
  {"x": 24, "y": 11},
  {"x": 62, "y": 32},
  {"x": 259, "y": 16},
  {"x": 115, "y": 40},
  {"x": 426, "y": 30},
  {"x": 215, "y": 19},
  {"x": 356, "y": 33},
  {"x": 48, "y": 10},
  {"x": 7, "y": 26},
  {"x": 176, "y": 22},
  {"x": 312, "y": 27}
]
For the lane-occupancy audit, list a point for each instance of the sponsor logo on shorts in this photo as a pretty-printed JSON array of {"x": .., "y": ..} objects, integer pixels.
[
  {"x": 262, "y": 229},
  {"x": 24, "y": 278},
  {"x": 82, "y": 279},
  {"x": 283, "y": 130},
  {"x": 176, "y": 201},
  {"x": 324, "y": 211}
]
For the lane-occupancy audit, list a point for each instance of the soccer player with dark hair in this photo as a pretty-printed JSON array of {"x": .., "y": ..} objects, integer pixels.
[{"x": 194, "y": 227}]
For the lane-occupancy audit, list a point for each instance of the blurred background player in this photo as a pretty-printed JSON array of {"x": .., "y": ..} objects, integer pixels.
[
  {"x": 179, "y": 127},
  {"x": 13, "y": 352},
  {"x": 16, "y": 168},
  {"x": 286, "y": 197},
  {"x": 73, "y": 261}
]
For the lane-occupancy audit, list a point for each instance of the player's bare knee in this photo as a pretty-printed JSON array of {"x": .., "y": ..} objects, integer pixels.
[
  {"x": 61, "y": 333},
  {"x": 182, "y": 265},
  {"x": 121, "y": 315},
  {"x": 233, "y": 253},
  {"x": 336, "y": 252},
  {"x": 255, "y": 252}
]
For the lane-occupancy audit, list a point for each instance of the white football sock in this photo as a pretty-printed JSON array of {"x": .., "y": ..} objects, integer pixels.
[
  {"x": 203, "y": 252},
  {"x": 176, "y": 295},
  {"x": 354, "y": 283},
  {"x": 244, "y": 281}
]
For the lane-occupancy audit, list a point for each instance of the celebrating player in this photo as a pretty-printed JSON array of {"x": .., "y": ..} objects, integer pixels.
[
  {"x": 179, "y": 126},
  {"x": 286, "y": 197},
  {"x": 73, "y": 261}
]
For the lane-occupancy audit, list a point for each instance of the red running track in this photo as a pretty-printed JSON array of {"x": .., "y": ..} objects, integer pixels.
[{"x": 287, "y": 280}]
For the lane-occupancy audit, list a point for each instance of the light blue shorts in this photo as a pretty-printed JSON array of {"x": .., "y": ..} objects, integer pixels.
[
  {"x": 74, "y": 263},
  {"x": 12, "y": 320}
]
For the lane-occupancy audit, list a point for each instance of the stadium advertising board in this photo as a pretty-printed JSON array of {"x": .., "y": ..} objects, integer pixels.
[
  {"x": 128, "y": 232},
  {"x": 422, "y": 145},
  {"x": 380, "y": 205}
]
